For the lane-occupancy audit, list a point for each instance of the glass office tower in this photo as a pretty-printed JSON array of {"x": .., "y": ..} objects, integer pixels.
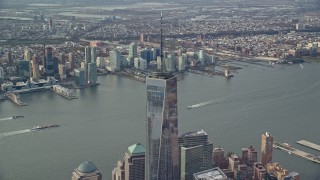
[{"x": 162, "y": 150}]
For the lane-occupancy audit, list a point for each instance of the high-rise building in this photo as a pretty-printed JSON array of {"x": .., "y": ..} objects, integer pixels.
[
  {"x": 50, "y": 24},
  {"x": 23, "y": 68},
  {"x": 118, "y": 172},
  {"x": 49, "y": 64},
  {"x": 101, "y": 62},
  {"x": 87, "y": 54},
  {"x": 132, "y": 53},
  {"x": 92, "y": 73},
  {"x": 143, "y": 64},
  {"x": 79, "y": 77},
  {"x": 182, "y": 62},
  {"x": 234, "y": 161},
  {"x": 94, "y": 54},
  {"x": 219, "y": 159},
  {"x": 62, "y": 71},
  {"x": 136, "y": 63},
  {"x": 9, "y": 58},
  {"x": 162, "y": 151},
  {"x": 266, "y": 148},
  {"x": 86, "y": 171},
  {"x": 27, "y": 55},
  {"x": 115, "y": 60},
  {"x": 159, "y": 63},
  {"x": 135, "y": 162},
  {"x": 259, "y": 172},
  {"x": 35, "y": 68},
  {"x": 141, "y": 37},
  {"x": 131, "y": 167},
  {"x": 170, "y": 63},
  {"x": 84, "y": 66},
  {"x": 195, "y": 153},
  {"x": 71, "y": 60},
  {"x": 202, "y": 56},
  {"x": 249, "y": 156},
  {"x": 1, "y": 75}
]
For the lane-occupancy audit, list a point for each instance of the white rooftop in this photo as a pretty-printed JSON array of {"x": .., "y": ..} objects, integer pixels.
[{"x": 211, "y": 174}]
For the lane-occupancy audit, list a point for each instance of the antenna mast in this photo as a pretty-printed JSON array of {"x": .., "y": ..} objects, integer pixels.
[{"x": 161, "y": 44}]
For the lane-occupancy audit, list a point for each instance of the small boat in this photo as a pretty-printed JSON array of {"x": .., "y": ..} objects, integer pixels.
[
  {"x": 18, "y": 116},
  {"x": 37, "y": 128}
]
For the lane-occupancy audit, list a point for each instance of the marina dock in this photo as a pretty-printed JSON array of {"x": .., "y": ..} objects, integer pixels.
[
  {"x": 15, "y": 97},
  {"x": 309, "y": 144},
  {"x": 291, "y": 150}
]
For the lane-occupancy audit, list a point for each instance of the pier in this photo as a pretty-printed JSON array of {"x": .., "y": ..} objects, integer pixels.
[
  {"x": 15, "y": 97},
  {"x": 291, "y": 150},
  {"x": 309, "y": 144},
  {"x": 65, "y": 92}
]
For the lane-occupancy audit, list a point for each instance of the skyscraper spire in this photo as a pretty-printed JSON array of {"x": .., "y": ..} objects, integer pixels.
[{"x": 161, "y": 44}]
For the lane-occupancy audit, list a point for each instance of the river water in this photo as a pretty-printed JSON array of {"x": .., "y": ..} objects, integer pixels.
[{"x": 105, "y": 120}]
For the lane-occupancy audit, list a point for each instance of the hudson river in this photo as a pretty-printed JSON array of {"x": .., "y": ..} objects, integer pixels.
[{"x": 105, "y": 120}]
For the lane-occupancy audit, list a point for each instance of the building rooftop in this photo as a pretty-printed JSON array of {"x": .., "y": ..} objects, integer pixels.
[
  {"x": 194, "y": 133},
  {"x": 87, "y": 167},
  {"x": 161, "y": 75},
  {"x": 211, "y": 174},
  {"x": 136, "y": 149}
]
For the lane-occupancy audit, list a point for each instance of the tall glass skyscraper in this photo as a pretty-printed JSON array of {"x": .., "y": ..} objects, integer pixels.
[{"x": 162, "y": 150}]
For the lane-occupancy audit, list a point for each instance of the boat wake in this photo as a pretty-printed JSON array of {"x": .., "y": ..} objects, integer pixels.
[
  {"x": 6, "y": 119},
  {"x": 12, "y": 133}
]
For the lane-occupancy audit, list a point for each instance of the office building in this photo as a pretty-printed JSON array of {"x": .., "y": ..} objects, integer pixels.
[
  {"x": 234, "y": 162},
  {"x": 101, "y": 62},
  {"x": 146, "y": 54},
  {"x": 259, "y": 172},
  {"x": 87, "y": 54},
  {"x": 23, "y": 68},
  {"x": 195, "y": 153},
  {"x": 50, "y": 24},
  {"x": 137, "y": 63},
  {"x": 9, "y": 58},
  {"x": 202, "y": 57},
  {"x": 132, "y": 53},
  {"x": 84, "y": 66},
  {"x": 159, "y": 63},
  {"x": 49, "y": 64},
  {"x": 1, "y": 75},
  {"x": 210, "y": 174},
  {"x": 266, "y": 148},
  {"x": 170, "y": 63},
  {"x": 141, "y": 37},
  {"x": 94, "y": 54},
  {"x": 79, "y": 77},
  {"x": 86, "y": 171},
  {"x": 143, "y": 64},
  {"x": 118, "y": 172},
  {"x": 92, "y": 73},
  {"x": 131, "y": 167},
  {"x": 182, "y": 62},
  {"x": 218, "y": 158},
  {"x": 135, "y": 162},
  {"x": 35, "y": 68},
  {"x": 71, "y": 60},
  {"x": 27, "y": 55},
  {"x": 62, "y": 72},
  {"x": 115, "y": 60},
  {"x": 249, "y": 156},
  {"x": 162, "y": 150}
]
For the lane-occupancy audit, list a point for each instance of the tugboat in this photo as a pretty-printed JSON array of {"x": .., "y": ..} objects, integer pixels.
[{"x": 37, "y": 128}]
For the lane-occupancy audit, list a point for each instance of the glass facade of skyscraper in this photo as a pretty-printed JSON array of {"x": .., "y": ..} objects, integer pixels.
[{"x": 162, "y": 151}]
